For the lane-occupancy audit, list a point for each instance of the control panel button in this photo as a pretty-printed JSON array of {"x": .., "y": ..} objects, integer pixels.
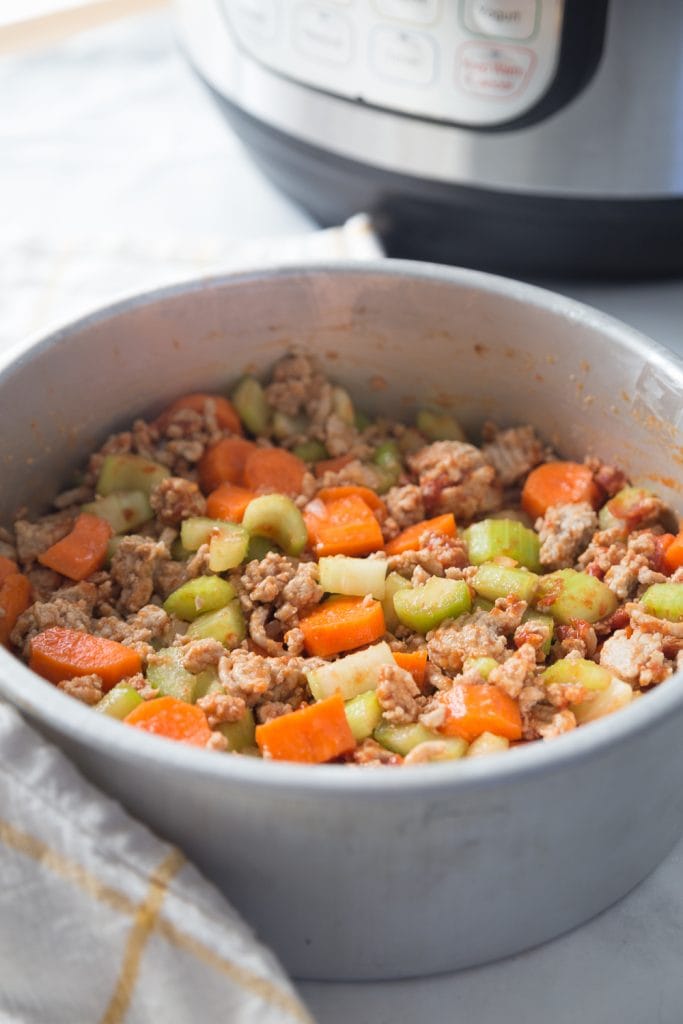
[
  {"x": 403, "y": 56},
  {"x": 502, "y": 19},
  {"x": 422, "y": 11},
  {"x": 323, "y": 33},
  {"x": 255, "y": 17},
  {"x": 494, "y": 71}
]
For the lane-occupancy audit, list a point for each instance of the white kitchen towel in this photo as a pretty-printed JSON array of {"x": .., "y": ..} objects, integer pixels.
[{"x": 102, "y": 923}]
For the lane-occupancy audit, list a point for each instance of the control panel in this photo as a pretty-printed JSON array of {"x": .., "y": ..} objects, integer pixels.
[{"x": 474, "y": 62}]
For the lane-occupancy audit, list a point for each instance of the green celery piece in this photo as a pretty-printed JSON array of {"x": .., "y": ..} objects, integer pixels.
[
  {"x": 567, "y": 594},
  {"x": 276, "y": 517},
  {"x": 387, "y": 457},
  {"x": 228, "y": 542},
  {"x": 481, "y": 604},
  {"x": 207, "y": 682},
  {"x": 439, "y": 426},
  {"x": 363, "y": 713},
  {"x": 343, "y": 574},
  {"x": 342, "y": 406},
  {"x": 240, "y": 735},
  {"x": 119, "y": 702},
  {"x": 532, "y": 616},
  {"x": 491, "y": 538},
  {"x": 487, "y": 743},
  {"x": 200, "y": 595},
  {"x": 167, "y": 675},
  {"x": 283, "y": 426},
  {"x": 249, "y": 399},
  {"x": 353, "y": 674},
  {"x": 259, "y": 548},
  {"x": 401, "y": 739},
  {"x": 113, "y": 545},
  {"x": 129, "y": 473},
  {"x": 179, "y": 552},
  {"x": 361, "y": 422},
  {"x": 423, "y": 608},
  {"x": 617, "y": 695},
  {"x": 394, "y": 583},
  {"x": 123, "y": 510},
  {"x": 484, "y": 666},
  {"x": 225, "y": 625},
  {"x": 664, "y": 601},
  {"x": 578, "y": 670},
  {"x": 493, "y": 581},
  {"x": 311, "y": 451},
  {"x": 628, "y": 508}
]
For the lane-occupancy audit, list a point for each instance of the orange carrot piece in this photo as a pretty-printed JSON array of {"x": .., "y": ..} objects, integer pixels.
[
  {"x": 557, "y": 483},
  {"x": 372, "y": 500},
  {"x": 226, "y": 416},
  {"x": 223, "y": 463},
  {"x": 673, "y": 553},
  {"x": 60, "y": 653},
  {"x": 228, "y": 502},
  {"x": 311, "y": 735},
  {"x": 481, "y": 707},
  {"x": 274, "y": 469},
  {"x": 409, "y": 540},
  {"x": 340, "y": 624},
  {"x": 15, "y": 597},
  {"x": 346, "y": 526},
  {"x": 331, "y": 465},
  {"x": 172, "y": 718},
  {"x": 81, "y": 552},
  {"x": 7, "y": 568},
  {"x": 414, "y": 662}
]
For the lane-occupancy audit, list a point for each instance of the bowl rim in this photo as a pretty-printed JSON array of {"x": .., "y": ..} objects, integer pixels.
[{"x": 60, "y": 713}]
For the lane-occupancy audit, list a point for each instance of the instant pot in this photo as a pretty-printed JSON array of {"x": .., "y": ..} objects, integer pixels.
[{"x": 528, "y": 136}]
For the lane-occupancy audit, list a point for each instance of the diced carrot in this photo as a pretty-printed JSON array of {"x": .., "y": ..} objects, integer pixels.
[
  {"x": 673, "y": 554},
  {"x": 228, "y": 502},
  {"x": 226, "y": 416},
  {"x": 60, "y": 653},
  {"x": 414, "y": 662},
  {"x": 331, "y": 465},
  {"x": 224, "y": 462},
  {"x": 558, "y": 483},
  {"x": 474, "y": 708},
  {"x": 7, "y": 568},
  {"x": 346, "y": 526},
  {"x": 81, "y": 552},
  {"x": 172, "y": 718},
  {"x": 15, "y": 597},
  {"x": 409, "y": 540},
  {"x": 340, "y": 624},
  {"x": 274, "y": 469},
  {"x": 311, "y": 735},
  {"x": 328, "y": 494}
]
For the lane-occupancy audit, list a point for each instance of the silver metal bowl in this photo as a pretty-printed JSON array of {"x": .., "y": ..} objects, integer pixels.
[{"x": 353, "y": 873}]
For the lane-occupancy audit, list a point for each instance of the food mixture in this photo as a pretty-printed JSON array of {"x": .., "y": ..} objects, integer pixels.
[{"x": 277, "y": 575}]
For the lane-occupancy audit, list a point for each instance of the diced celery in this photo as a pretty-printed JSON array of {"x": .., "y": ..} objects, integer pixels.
[
  {"x": 363, "y": 713},
  {"x": 284, "y": 426},
  {"x": 353, "y": 674},
  {"x": 361, "y": 422},
  {"x": 179, "y": 552},
  {"x": 423, "y": 608},
  {"x": 439, "y": 426},
  {"x": 225, "y": 625},
  {"x": 617, "y": 695},
  {"x": 568, "y": 594},
  {"x": 166, "y": 674},
  {"x": 341, "y": 574},
  {"x": 207, "y": 682},
  {"x": 113, "y": 545},
  {"x": 633, "y": 507},
  {"x": 487, "y": 743},
  {"x": 578, "y": 670},
  {"x": 342, "y": 405},
  {"x": 664, "y": 601},
  {"x": 119, "y": 702},
  {"x": 387, "y": 457},
  {"x": 123, "y": 510},
  {"x": 198, "y": 530},
  {"x": 249, "y": 399},
  {"x": 203, "y": 594},
  {"x": 276, "y": 516},
  {"x": 240, "y": 735},
  {"x": 547, "y": 620},
  {"x": 410, "y": 441},
  {"x": 493, "y": 581},
  {"x": 394, "y": 583},
  {"x": 259, "y": 548},
  {"x": 484, "y": 666},
  {"x": 129, "y": 473},
  {"x": 228, "y": 542},
  {"x": 481, "y": 604},
  {"x": 491, "y": 538},
  {"x": 311, "y": 451},
  {"x": 401, "y": 739}
]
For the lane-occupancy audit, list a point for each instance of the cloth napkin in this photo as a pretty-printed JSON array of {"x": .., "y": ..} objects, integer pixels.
[{"x": 100, "y": 921}]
